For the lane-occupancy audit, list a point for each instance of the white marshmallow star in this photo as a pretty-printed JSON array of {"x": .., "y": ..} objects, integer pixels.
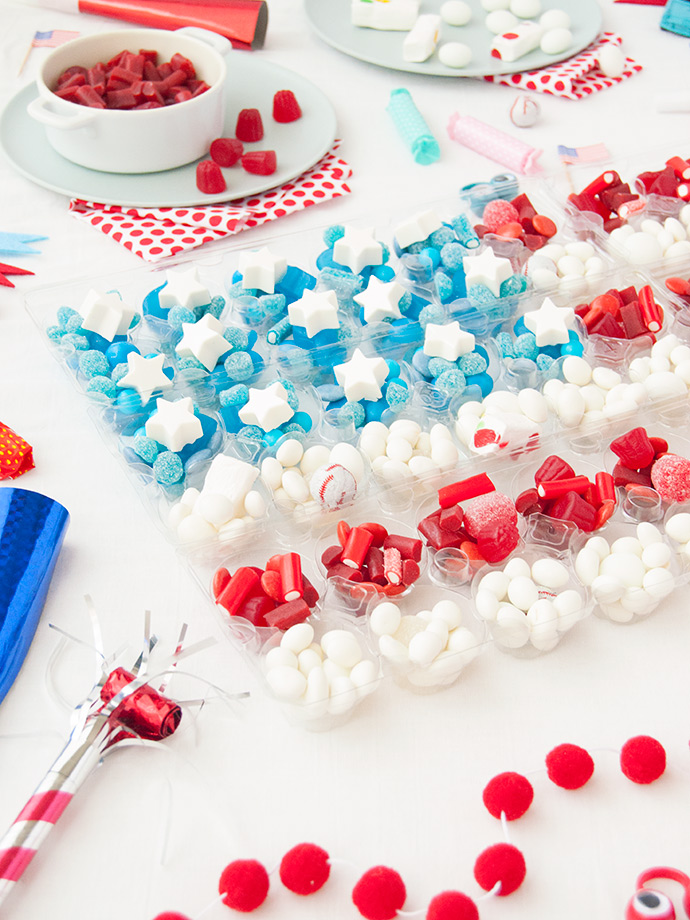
[
  {"x": 447, "y": 341},
  {"x": 488, "y": 269},
  {"x": 145, "y": 375},
  {"x": 550, "y": 324},
  {"x": 261, "y": 269},
  {"x": 315, "y": 311},
  {"x": 361, "y": 377},
  {"x": 203, "y": 340},
  {"x": 106, "y": 314},
  {"x": 183, "y": 289},
  {"x": 417, "y": 228},
  {"x": 380, "y": 300},
  {"x": 357, "y": 249},
  {"x": 174, "y": 424},
  {"x": 267, "y": 408}
]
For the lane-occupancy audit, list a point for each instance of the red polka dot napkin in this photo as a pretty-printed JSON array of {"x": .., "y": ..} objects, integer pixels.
[
  {"x": 16, "y": 456},
  {"x": 574, "y": 78},
  {"x": 156, "y": 233}
]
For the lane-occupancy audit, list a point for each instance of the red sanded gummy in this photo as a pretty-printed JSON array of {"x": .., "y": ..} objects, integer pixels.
[
  {"x": 499, "y": 212},
  {"x": 643, "y": 759},
  {"x": 671, "y": 477},
  {"x": 209, "y": 178},
  {"x": 226, "y": 151},
  {"x": 569, "y": 766},
  {"x": 379, "y": 894},
  {"x": 286, "y": 107},
  {"x": 487, "y": 511},
  {"x": 244, "y": 885},
  {"x": 249, "y": 127},
  {"x": 305, "y": 868},
  {"x": 510, "y": 793},
  {"x": 452, "y": 905},
  {"x": 260, "y": 162},
  {"x": 502, "y": 863}
]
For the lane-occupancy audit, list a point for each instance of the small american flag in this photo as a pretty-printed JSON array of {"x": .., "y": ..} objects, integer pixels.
[
  {"x": 52, "y": 39},
  {"x": 591, "y": 154}
]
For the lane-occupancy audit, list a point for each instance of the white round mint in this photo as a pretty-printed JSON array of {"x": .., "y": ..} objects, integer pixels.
[
  {"x": 627, "y": 567},
  {"x": 194, "y": 527},
  {"x": 511, "y": 627},
  {"x": 657, "y": 556},
  {"x": 440, "y": 432},
  {"x": 486, "y": 604},
  {"x": 675, "y": 228},
  {"x": 456, "y": 12},
  {"x": 627, "y": 545},
  {"x": 568, "y": 603},
  {"x": 280, "y": 657},
  {"x": 254, "y": 504},
  {"x": 617, "y": 613},
  {"x": 463, "y": 640},
  {"x": 643, "y": 249},
  {"x": 399, "y": 449},
  {"x": 576, "y": 370},
  {"x": 647, "y": 534},
  {"x": 658, "y": 583},
  {"x": 444, "y": 453},
  {"x": 316, "y": 694},
  {"x": 678, "y": 250},
  {"x": 290, "y": 452},
  {"x": 611, "y": 60},
  {"x": 332, "y": 670},
  {"x": 664, "y": 384},
  {"x": 550, "y": 573},
  {"x": 571, "y": 406},
  {"x": 497, "y": 582},
  {"x": 587, "y": 566},
  {"x": 424, "y": 647},
  {"x": 271, "y": 472},
  {"x": 533, "y": 405},
  {"x": 678, "y": 527},
  {"x": 598, "y": 545},
  {"x": 606, "y": 377},
  {"x": 500, "y": 21},
  {"x": 556, "y": 41},
  {"x": 522, "y": 592},
  {"x": 543, "y": 278},
  {"x": 515, "y": 568},
  {"x": 348, "y": 456},
  {"x": 341, "y": 647},
  {"x": 607, "y": 590},
  {"x": 177, "y": 513},
  {"x": 422, "y": 466},
  {"x": 455, "y": 54},
  {"x": 555, "y": 19},
  {"x": 395, "y": 471},
  {"x": 525, "y": 9},
  {"x": 449, "y": 612},
  {"x": 314, "y": 457},
  {"x": 287, "y": 683},
  {"x": 189, "y": 497},
  {"x": 638, "y": 601},
  {"x": 440, "y": 628},
  {"x": 393, "y": 650},
  {"x": 307, "y": 660},
  {"x": 405, "y": 428},
  {"x": 297, "y": 637},
  {"x": 214, "y": 508},
  {"x": 365, "y": 676},
  {"x": 295, "y": 485},
  {"x": 384, "y": 619},
  {"x": 343, "y": 696},
  {"x": 491, "y": 5}
]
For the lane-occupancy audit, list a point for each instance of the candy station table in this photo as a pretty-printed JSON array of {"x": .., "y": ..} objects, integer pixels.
[{"x": 400, "y": 782}]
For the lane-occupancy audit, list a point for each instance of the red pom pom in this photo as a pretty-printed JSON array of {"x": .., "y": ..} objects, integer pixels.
[
  {"x": 643, "y": 759},
  {"x": 171, "y": 915},
  {"x": 244, "y": 885},
  {"x": 502, "y": 863},
  {"x": 510, "y": 793},
  {"x": 305, "y": 868},
  {"x": 379, "y": 894},
  {"x": 452, "y": 905},
  {"x": 569, "y": 766}
]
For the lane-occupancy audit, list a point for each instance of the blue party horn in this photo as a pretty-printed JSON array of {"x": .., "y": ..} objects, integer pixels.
[{"x": 32, "y": 527}]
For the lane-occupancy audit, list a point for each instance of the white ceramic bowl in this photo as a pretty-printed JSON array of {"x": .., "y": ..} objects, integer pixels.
[{"x": 120, "y": 141}]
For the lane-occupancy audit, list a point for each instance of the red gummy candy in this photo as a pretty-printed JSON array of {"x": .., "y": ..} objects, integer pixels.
[
  {"x": 255, "y": 609},
  {"x": 309, "y": 593},
  {"x": 331, "y": 556},
  {"x": 572, "y": 507},
  {"x": 451, "y": 518},
  {"x": 285, "y": 106},
  {"x": 288, "y": 614},
  {"x": 226, "y": 151},
  {"x": 378, "y": 532},
  {"x": 434, "y": 535},
  {"x": 488, "y": 511},
  {"x": 343, "y": 530},
  {"x": 528, "y": 502},
  {"x": 660, "y": 445},
  {"x": 634, "y": 449},
  {"x": 220, "y": 580},
  {"x": 249, "y": 127},
  {"x": 271, "y": 585},
  {"x": 553, "y": 468},
  {"x": 209, "y": 178},
  {"x": 374, "y": 564},
  {"x": 495, "y": 542},
  {"x": 260, "y": 162},
  {"x": 408, "y": 547},
  {"x": 622, "y": 476},
  {"x": 671, "y": 478},
  {"x": 410, "y": 571}
]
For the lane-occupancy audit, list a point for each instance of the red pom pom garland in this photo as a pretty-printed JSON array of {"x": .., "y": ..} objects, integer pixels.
[{"x": 499, "y": 870}]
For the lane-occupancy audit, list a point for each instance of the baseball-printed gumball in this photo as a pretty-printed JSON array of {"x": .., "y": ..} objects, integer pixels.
[
  {"x": 333, "y": 486},
  {"x": 525, "y": 111}
]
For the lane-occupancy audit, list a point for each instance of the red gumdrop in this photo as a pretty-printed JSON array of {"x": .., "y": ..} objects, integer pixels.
[
  {"x": 226, "y": 151},
  {"x": 286, "y": 107},
  {"x": 452, "y": 905},
  {"x": 260, "y": 162},
  {"x": 671, "y": 477},
  {"x": 209, "y": 178},
  {"x": 305, "y": 868},
  {"x": 499, "y": 212},
  {"x": 643, "y": 759},
  {"x": 249, "y": 126},
  {"x": 379, "y": 894},
  {"x": 569, "y": 766},
  {"x": 508, "y": 793},
  {"x": 244, "y": 885},
  {"x": 502, "y": 863}
]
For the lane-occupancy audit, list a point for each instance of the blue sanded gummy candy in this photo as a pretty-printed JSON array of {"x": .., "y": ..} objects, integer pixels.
[
  {"x": 234, "y": 396},
  {"x": 168, "y": 468},
  {"x": 526, "y": 346},
  {"x": 144, "y": 447},
  {"x": 473, "y": 363},
  {"x": 437, "y": 366},
  {"x": 239, "y": 366},
  {"x": 178, "y": 315},
  {"x": 451, "y": 381},
  {"x": 93, "y": 363}
]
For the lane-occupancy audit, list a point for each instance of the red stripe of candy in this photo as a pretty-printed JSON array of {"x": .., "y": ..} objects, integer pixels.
[
  {"x": 13, "y": 862},
  {"x": 651, "y": 311},
  {"x": 45, "y": 806},
  {"x": 606, "y": 490},
  {"x": 554, "y": 488},
  {"x": 392, "y": 565},
  {"x": 408, "y": 547},
  {"x": 464, "y": 489},
  {"x": 357, "y": 546},
  {"x": 288, "y": 614},
  {"x": 604, "y": 181},
  {"x": 291, "y": 576},
  {"x": 241, "y": 585}
]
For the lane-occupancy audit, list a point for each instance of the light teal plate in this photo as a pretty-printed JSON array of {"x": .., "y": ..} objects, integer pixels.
[
  {"x": 331, "y": 20},
  {"x": 251, "y": 84}
]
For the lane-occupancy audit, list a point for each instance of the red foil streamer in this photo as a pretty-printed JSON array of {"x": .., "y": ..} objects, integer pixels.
[{"x": 145, "y": 712}]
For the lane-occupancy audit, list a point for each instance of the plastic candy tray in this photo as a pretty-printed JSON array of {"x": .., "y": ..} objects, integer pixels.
[{"x": 234, "y": 414}]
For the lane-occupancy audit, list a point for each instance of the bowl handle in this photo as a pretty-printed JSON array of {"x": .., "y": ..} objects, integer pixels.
[
  {"x": 221, "y": 44},
  {"x": 39, "y": 111}
]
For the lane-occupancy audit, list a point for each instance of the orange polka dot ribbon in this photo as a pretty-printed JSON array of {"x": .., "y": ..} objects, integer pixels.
[{"x": 16, "y": 456}]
